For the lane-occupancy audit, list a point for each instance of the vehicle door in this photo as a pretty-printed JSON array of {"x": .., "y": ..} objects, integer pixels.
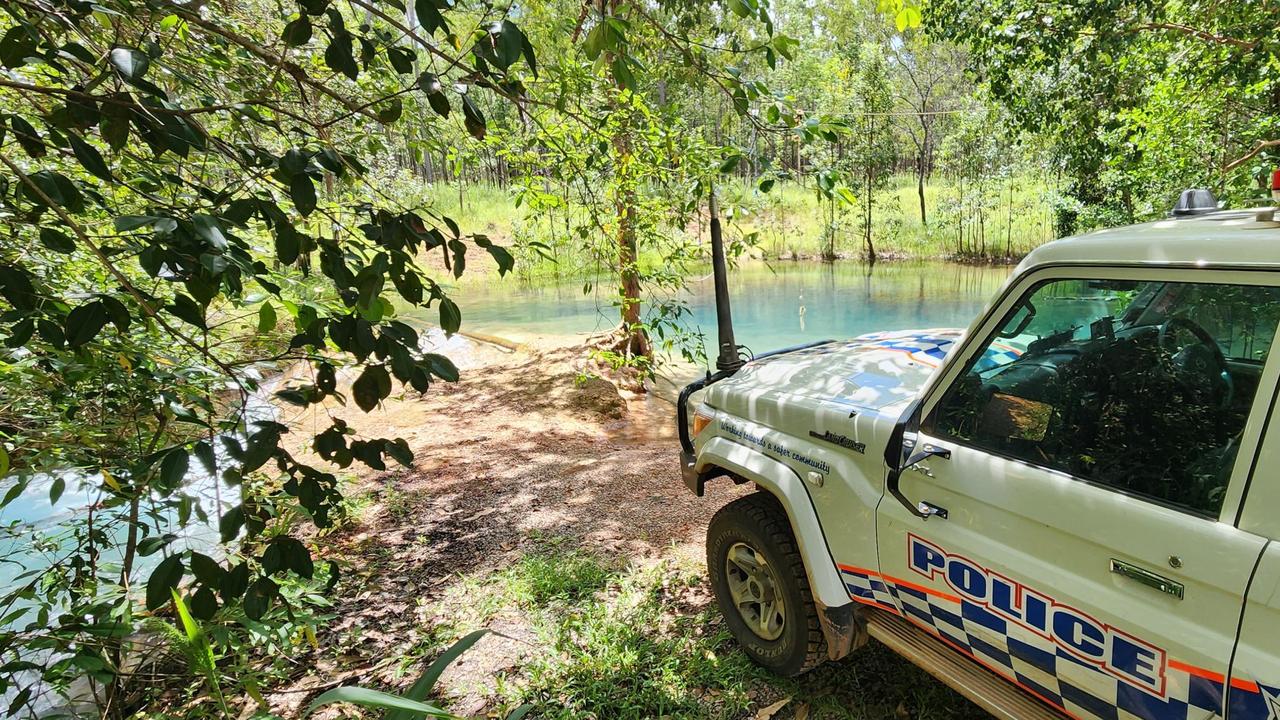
[
  {"x": 1092, "y": 437},
  {"x": 1254, "y": 693}
]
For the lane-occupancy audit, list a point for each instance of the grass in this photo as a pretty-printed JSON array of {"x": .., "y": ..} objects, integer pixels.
[
  {"x": 645, "y": 640},
  {"x": 790, "y": 221},
  {"x": 787, "y": 222}
]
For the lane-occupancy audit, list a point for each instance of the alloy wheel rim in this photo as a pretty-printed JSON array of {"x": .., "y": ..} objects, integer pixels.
[{"x": 755, "y": 591}]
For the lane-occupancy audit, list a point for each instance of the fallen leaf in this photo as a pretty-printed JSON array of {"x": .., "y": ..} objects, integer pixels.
[
  {"x": 802, "y": 711},
  {"x": 768, "y": 712},
  {"x": 901, "y": 712}
]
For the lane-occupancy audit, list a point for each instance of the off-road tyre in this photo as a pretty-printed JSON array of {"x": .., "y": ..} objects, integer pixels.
[{"x": 760, "y": 522}]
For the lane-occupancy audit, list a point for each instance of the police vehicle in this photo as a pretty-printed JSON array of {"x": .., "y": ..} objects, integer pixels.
[{"x": 1071, "y": 508}]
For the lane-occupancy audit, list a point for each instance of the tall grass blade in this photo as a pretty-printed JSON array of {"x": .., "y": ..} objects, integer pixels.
[
  {"x": 423, "y": 686},
  {"x": 364, "y": 697},
  {"x": 200, "y": 649}
]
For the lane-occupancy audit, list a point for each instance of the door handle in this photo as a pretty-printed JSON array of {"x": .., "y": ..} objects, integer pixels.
[
  {"x": 928, "y": 510},
  {"x": 1146, "y": 577}
]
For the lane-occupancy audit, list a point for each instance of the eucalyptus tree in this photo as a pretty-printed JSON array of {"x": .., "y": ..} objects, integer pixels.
[
  {"x": 1140, "y": 97},
  {"x": 929, "y": 84},
  {"x": 657, "y": 97},
  {"x": 874, "y": 147}
]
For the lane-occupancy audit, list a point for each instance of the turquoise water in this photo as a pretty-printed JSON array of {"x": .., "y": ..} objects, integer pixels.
[{"x": 774, "y": 305}]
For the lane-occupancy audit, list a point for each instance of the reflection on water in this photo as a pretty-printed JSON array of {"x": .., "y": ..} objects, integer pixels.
[{"x": 773, "y": 306}]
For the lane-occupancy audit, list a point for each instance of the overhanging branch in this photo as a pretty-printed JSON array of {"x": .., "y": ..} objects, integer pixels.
[{"x": 1262, "y": 145}]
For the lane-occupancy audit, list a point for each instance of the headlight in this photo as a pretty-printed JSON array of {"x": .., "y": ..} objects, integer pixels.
[{"x": 701, "y": 419}]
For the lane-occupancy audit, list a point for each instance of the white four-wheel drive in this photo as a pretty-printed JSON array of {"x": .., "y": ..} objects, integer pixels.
[{"x": 1070, "y": 508}]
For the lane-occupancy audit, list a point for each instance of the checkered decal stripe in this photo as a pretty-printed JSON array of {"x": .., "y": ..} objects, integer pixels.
[
  {"x": 930, "y": 347},
  {"x": 1038, "y": 665},
  {"x": 869, "y": 589}
]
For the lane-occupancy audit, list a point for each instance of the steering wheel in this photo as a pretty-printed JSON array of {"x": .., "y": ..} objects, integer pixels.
[{"x": 1202, "y": 367}]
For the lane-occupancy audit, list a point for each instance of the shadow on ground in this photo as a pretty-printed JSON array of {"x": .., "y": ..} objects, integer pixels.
[{"x": 552, "y": 512}]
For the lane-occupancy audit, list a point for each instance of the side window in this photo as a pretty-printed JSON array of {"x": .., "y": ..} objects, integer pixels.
[{"x": 1143, "y": 387}]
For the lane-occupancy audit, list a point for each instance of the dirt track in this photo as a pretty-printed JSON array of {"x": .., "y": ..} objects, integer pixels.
[{"x": 519, "y": 449}]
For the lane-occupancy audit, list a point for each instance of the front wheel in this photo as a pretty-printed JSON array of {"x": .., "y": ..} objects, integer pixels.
[{"x": 759, "y": 581}]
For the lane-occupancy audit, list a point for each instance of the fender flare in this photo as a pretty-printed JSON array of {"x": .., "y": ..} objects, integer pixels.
[{"x": 783, "y": 483}]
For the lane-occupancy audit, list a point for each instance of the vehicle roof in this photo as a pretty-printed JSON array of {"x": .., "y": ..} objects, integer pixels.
[{"x": 1227, "y": 237}]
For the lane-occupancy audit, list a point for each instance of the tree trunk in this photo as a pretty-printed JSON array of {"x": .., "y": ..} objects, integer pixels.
[
  {"x": 1008, "y": 233},
  {"x": 628, "y": 272},
  {"x": 924, "y": 218},
  {"x": 923, "y": 160},
  {"x": 866, "y": 225}
]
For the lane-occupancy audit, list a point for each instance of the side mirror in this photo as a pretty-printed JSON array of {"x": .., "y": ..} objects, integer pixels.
[{"x": 924, "y": 453}]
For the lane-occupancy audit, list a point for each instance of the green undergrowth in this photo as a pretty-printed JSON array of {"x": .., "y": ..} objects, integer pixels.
[
  {"x": 606, "y": 639},
  {"x": 1010, "y": 216}
]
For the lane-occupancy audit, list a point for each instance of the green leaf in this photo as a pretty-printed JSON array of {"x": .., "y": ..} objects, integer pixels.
[
  {"x": 56, "y": 187},
  {"x": 399, "y": 450},
  {"x": 164, "y": 578},
  {"x": 56, "y": 240},
  {"x": 450, "y": 315},
  {"x": 89, "y": 158},
  {"x": 85, "y": 322},
  {"x": 520, "y": 712},
  {"x": 17, "y": 489},
  {"x": 17, "y": 45},
  {"x": 730, "y": 163},
  {"x": 423, "y": 686},
  {"x": 27, "y": 137},
  {"x": 209, "y": 230},
  {"x": 364, "y": 697},
  {"x": 473, "y": 118},
  {"x": 266, "y": 318},
  {"x": 907, "y": 17},
  {"x": 500, "y": 254},
  {"x": 622, "y": 73},
  {"x": 189, "y": 626},
  {"x": 258, "y": 597},
  {"x": 16, "y": 287},
  {"x": 235, "y": 583},
  {"x": 339, "y": 55},
  {"x": 526, "y": 48},
  {"x": 429, "y": 16},
  {"x": 401, "y": 59},
  {"x": 56, "y": 488},
  {"x": 287, "y": 553},
  {"x": 442, "y": 367},
  {"x": 434, "y": 89},
  {"x": 509, "y": 43},
  {"x": 206, "y": 569},
  {"x": 371, "y": 387},
  {"x": 186, "y": 309},
  {"x": 125, "y": 223},
  {"x": 173, "y": 468},
  {"x": 390, "y": 111},
  {"x": 297, "y": 32},
  {"x": 303, "y": 193},
  {"x": 150, "y": 545},
  {"x": 131, "y": 63},
  {"x": 4, "y": 461},
  {"x": 766, "y": 184},
  {"x": 198, "y": 645},
  {"x": 596, "y": 40}
]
